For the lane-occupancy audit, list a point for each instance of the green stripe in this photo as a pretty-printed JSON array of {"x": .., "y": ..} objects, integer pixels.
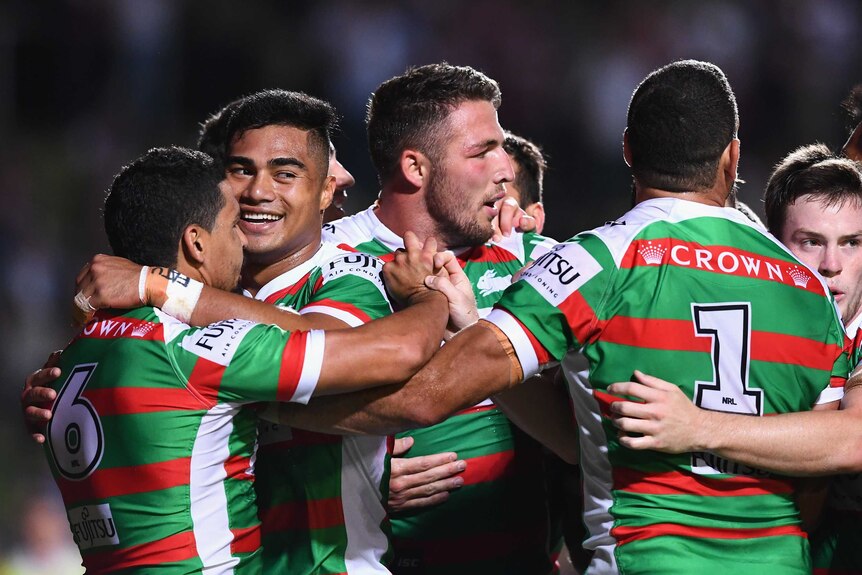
[
  {"x": 469, "y": 435},
  {"x": 320, "y": 552}
]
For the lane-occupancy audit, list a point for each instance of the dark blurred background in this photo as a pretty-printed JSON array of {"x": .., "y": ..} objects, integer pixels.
[{"x": 86, "y": 86}]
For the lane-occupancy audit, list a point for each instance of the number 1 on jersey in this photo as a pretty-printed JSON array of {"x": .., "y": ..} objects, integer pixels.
[
  {"x": 75, "y": 437},
  {"x": 729, "y": 327}
]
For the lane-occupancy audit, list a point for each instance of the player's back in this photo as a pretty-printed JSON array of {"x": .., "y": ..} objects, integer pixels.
[
  {"x": 698, "y": 296},
  {"x": 154, "y": 474}
]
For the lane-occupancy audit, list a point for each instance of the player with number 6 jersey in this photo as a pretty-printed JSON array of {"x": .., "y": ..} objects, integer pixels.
[{"x": 699, "y": 295}]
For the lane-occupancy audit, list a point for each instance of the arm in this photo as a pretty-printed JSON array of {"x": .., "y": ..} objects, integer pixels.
[
  {"x": 483, "y": 367},
  {"x": 541, "y": 408},
  {"x": 803, "y": 443}
]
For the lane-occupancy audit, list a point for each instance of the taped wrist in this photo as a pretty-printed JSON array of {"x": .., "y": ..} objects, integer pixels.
[
  {"x": 174, "y": 293},
  {"x": 516, "y": 372}
]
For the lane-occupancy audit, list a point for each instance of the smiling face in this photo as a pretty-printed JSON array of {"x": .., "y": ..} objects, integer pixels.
[
  {"x": 829, "y": 239},
  {"x": 468, "y": 177},
  {"x": 282, "y": 189}
]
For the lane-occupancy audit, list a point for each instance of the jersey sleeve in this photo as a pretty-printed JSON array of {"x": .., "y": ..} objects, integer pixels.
[
  {"x": 351, "y": 289},
  {"x": 243, "y": 361},
  {"x": 553, "y": 307},
  {"x": 840, "y": 370}
]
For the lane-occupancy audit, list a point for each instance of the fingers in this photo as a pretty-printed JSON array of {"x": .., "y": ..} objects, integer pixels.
[
  {"x": 508, "y": 215},
  {"x": 635, "y": 390},
  {"x": 402, "y": 445},
  {"x": 445, "y": 260},
  {"x": 423, "y": 481},
  {"x": 54, "y": 359}
]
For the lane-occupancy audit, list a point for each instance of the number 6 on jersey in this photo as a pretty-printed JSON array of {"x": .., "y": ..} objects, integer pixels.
[{"x": 75, "y": 437}]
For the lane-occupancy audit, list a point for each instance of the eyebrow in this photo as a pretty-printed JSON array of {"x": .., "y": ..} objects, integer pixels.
[
  {"x": 273, "y": 163},
  {"x": 489, "y": 143},
  {"x": 818, "y": 235}
]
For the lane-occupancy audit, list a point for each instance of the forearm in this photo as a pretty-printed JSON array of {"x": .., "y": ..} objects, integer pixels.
[
  {"x": 804, "y": 443},
  {"x": 540, "y": 407},
  {"x": 472, "y": 367},
  {"x": 215, "y": 305}
]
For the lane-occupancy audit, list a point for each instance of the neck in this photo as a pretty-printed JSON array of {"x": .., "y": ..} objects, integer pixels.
[
  {"x": 256, "y": 274},
  {"x": 711, "y": 197},
  {"x": 408, "y": 212}
]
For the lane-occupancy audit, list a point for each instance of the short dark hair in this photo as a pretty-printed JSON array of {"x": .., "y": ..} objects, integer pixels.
[
  {"x": 409, "y": 111},
  {"x": 213, "y": 138},
  {"x": 155, "y": 198},
  {"x": 852, "y": 105},
  {"x": 270, "y": 108},
  {"x": 810, "y": 170},
  {"x": 531, "y": 167},
  {"x": 680, "y": 120}
]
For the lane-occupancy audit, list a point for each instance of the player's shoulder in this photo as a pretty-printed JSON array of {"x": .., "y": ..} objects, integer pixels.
[
  {"x": 351, "y": 230},
  {"x": 337, "y": 261}
]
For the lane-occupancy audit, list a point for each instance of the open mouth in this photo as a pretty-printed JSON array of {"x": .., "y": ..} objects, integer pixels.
[{"x": 259, "y": 218}]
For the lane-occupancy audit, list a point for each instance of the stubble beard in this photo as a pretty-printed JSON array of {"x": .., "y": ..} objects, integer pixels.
[{"x": 457, "y": 224}]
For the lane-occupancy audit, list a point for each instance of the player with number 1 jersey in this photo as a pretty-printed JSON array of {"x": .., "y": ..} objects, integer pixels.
[
  {"x": 497, "y": 521},
  {"x": 181, "y": 498},
  {"x": 700, "y": 296},
  {"x": 322, "y": 496}
]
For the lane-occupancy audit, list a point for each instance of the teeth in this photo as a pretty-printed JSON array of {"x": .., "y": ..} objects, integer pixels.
[{"x": 252, "y": 217}]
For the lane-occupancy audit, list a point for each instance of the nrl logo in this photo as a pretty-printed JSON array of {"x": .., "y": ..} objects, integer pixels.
[
  {"x": 799, "y": 277},
  {"x": 651, "y": 254},
  {"x": 490, "y": 283}
]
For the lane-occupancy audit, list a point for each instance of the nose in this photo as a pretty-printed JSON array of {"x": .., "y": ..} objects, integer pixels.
[
  {"x": 505, "y": 172},
  {"x": 257, "y": 189},
  {"x": 343, "y": 178},
  {"x": 830, "y": 263}
]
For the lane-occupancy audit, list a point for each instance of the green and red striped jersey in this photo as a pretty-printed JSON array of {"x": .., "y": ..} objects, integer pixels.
[
  {"x": 322, "y": 497},
  {"x": 497, "y": 521},
  {"x": 152, "y": 440},
  {"x": 699, "y": 296}
]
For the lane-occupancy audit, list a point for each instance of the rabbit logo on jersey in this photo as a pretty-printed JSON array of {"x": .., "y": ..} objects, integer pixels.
[
  {"x": 218, "y": 342},
  {"x": 560, "y": 272}
]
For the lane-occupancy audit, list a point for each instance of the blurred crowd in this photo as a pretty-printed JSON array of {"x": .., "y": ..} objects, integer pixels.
[{"x": 87, "y": 86}]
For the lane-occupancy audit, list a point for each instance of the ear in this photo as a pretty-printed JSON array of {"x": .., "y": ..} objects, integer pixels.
[
  {"x": 415, "y": 167},
  {"x": 730, "y": 162},
  {"x": 627, "y": 152},
  {"x": 328, "y": 191},
  {"x": 193, "y": 245},
  {"x": 537, "y": 211}
]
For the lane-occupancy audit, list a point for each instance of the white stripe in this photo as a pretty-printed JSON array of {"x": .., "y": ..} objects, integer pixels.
[
  {"x": 830, "y": 394},
  {"x": 208, "y": 498},
  {"x": 523, "y": 347},
  {"x": 341, "y": 314},
  {"x": 596, "y": 471},
  {"x": 311, "y": 366},
  {"x": 362, "y": 465}
]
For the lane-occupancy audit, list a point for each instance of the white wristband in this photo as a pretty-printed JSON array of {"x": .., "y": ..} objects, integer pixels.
[
  {"x": 142, "y": 285},
  {"x": 182, "y": 298}
]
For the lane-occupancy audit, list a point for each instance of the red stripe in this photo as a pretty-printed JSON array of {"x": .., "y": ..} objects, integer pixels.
[
  {"x": 292, "y": 360},
  {"x": 179, "y": 547},
  {"x": 117, "y": 481},
  {"x": 303, "y": 515},
  {"x": 476, "y": 409},
  {"x": 239, "y": 467},
  {"x": 723, "y": 260},
  {"x": 681, "y": 483},
  {"x": 341, "y": 306},
  {"x": 129, "y": 400},
  {"x": 113, "y": 326},
  {"x": 679, "y": 335},
  {"x": 581, "y": 317},
  {"x": 205, "y": 379},
  {"x": 274, "y": 297},
  {"x": 486, "y": 468},
  {"x": 836, "y": 381},
  {"x": 483, "y": 253},
  {"x": 625, "y": 535},
  {"x": 245, "y": 540}
]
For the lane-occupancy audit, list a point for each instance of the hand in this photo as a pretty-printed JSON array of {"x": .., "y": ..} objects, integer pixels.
[
  {"x": 110, "y": 282},
  {"x": 667, "y": 419},
  {"x": 511, "y": 217},
  {"x": 422, "y": 481},
  {"x": 452, "y": 282},
  {"x": 405, "y": 274},
  {"x": 36, "y": 396}
]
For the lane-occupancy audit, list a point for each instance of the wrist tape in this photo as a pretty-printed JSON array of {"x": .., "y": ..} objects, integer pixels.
[{"x": 174, "y": 293}]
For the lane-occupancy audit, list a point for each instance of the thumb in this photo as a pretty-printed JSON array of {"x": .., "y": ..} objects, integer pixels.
[{"x": 402, "y": 445}]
